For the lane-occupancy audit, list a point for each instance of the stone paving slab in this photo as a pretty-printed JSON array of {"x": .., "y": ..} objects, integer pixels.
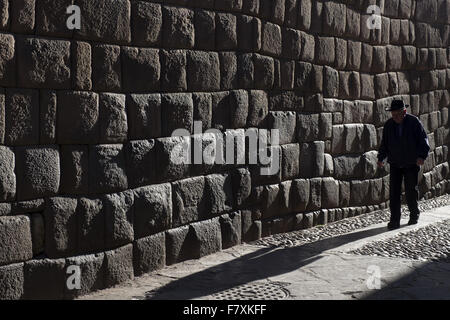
[{"x": 320, "y": 270}]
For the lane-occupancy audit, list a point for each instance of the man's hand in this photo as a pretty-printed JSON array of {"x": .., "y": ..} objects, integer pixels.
[
  {"x": 380, "y": 164},
  {"x": 420, "y": 161}
]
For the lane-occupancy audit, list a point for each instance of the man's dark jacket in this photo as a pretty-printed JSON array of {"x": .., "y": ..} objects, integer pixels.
[{"x": 403, "y": 151}]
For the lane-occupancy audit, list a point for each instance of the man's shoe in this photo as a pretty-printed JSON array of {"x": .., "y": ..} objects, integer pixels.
[
  {"x": 393, "y": 225},
  {"x": 412, "y": 221}
]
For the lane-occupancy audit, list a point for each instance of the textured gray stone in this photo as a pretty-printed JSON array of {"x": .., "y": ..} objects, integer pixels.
[
  {"x": 81, "y": 56},
  {"x": 271, "y": 39},
  {"x": 315, "y": 198},
  {"x": 334, "y": 18},
  {"x": 173, "y": 70},
  {"x": 239, "y": 108},
  {"x": 177, "y": 113},
  {"x": 188, "y": 200},
  {"x": 325, "y": 50},
  {"x": 285, "y": 122},
  {"x": 23, "y": 12},
  {"x": 149, "y": 254},
  {"x": 140, "y": 162},
  {"x": 74, "y": 169},
  {"x": 107, "y": 170},
  {"x": 178, "y": 31},
  {"x": 179, "y": 245},
  {"x": 226, "y": 31},
  {"x": 37, "y": 233},
  {"x": 22, "y": 117},
  {"x": 231, "y": 227},
  {"x": 7, "y": 60},
  {"x": 312, "y": 159},
  {"x": 113, "y": 118},
  {"x": 173, "y": 158},
  {"x": 242, "y": 186},
  {"x": 11, "y": 282},
  {"x": 106, "y": 76},
  {"x": 45, "y": 279},
  {"x": 92, "y": 269},
  {"x": 4, "y": 14},
  {"x": 330, "y": 193},
  {"x": 119, "y": 265},
  {"x": 15, "y": 239},
  {"x": 7, "y": 174},
  {"x": 219, "y": 193},
  {"x": 91, "y": 225},
  {"x": 290, "y": 161},
  {"x": 152, "y": 209},
  {"x": 207, "y": 236},
  {"x": 47, "y": 117},
  {"x": 258, "y": 108},
  {"x": 299, "y": 196},
  {"x": 308, "y": 127},
  {"x": 40, "y": 172},
  {"x": 147, "y": 23},
  {"x": 144, "y": 115},
  {"x": 264, "y": 68},
  {"x": 105, "y": 20},
  {"x": 138, "y": 64},
  {"x": 60, "y": 227},
  {"x": 119, "y": 216},
  {"x": 51, "y": 18}
]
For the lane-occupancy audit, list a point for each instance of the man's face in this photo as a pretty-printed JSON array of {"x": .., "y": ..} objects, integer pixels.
[{"x": 398, "y": 115}]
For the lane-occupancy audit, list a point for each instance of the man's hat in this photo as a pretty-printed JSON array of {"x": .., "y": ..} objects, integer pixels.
[{"x": 397, "y": 105}]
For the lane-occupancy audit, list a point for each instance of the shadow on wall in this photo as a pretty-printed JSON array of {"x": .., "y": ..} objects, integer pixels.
[{"x": 264, "y": 263}]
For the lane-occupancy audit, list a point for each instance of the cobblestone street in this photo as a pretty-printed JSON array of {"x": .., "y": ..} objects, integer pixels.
[{"x": 342, "y": 260}]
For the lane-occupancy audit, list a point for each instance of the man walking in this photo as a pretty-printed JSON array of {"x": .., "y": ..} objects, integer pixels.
[{"x": 405, "y": 144}]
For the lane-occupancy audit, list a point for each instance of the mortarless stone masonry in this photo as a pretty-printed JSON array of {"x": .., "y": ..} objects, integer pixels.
[{"x": 86, "y": 118}]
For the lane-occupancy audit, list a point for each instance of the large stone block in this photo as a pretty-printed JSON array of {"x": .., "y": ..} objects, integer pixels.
[
  {"x": 21, "y": 117},
  {"x": 119, "y": 216},
  {"x": 152, "y": 209},
  {"x": 271, "y": 39},
  {"x": 226, "y": 31},
  {"x": 149, "y": 254},
  {"x": 173, "y": 156},
  {"x": 11, "y": 281},
  {"x": 189, "y": 201},
  {"x": 231, "y": 227},
  {"x": 258, "y": 108},
  {"x": 119, "y": 265},
  {"x": 341, "y": 53},
  {"x": 312, "y": 159},
  {"x": 203, "y": 109},
  {"x": 7, "y": 174},
  {"x": 60, "y": 217},
  {"x": 74, "y": 169},
  {"x": 249, "y": 33},
  {"x": 347, "y": 167},
  {"x": 4, "y": 14},
  {"x": 147, "y": 23},
  {"x": 308, "y": 47},
  {"x": 144, "y": 115},
  {"x": 308, "y": 128},
  {"x": 290, "y": 161},
  {"x": 285, "y": 122},
  {"x": 325, "y": 51},
  {"x": 208, "y": 237},
  {"x": 141, "y": 162},
  {"x": 15, "y": 239},
  {"x": 228, "y": 70},
  {"x": 105, "y": 20},
  {"x": 173, "y": 70},
  {"x": 393, "y": 58},
  {"x": 367, "y": 87},
  {"x": 354, "y": 50},
  {"x": 299, "y": 195},
  {"x": 219, "y": 193},
  {"x": 177, "y": 113},
  {"x": 292, "y": 44},
  {"x": 92, "y": 271},
  {"x": 40, "y": 172},
  {"x": 113, "y": 118},
  {"x": 179, "y": 245},
  {"x": 22, "y": 13},
  {"x": 315, "y": 199},
  {"x": 7, "y": 60},
  {"x": 106, "y": 76},
  {"x": 203, "y": 71},
  {"x": 330, "y": 193},
  {"x": 81, "y": 56},
  {"x": 242, "y": 186},
  {"x": 178, "y": 31},
  {"x": 141, "y": 70},
  {"x": 107, "y": 171},
  {"x": 334, "y": 18},
  {"x": 47, "y": 117},
  {"x": 51, "y": 18},
  {"x": 205, "y": 29},
  {"x": 264, "y": 72},
  {"x": 304, "y": 15},
  {"x": 358, "y": 192},
  {"x": 331, "y": 82},
  {"x": 45, "y": 279},
  {"x": 91, "y": 225},
  {"x": 246, "y": 70},
  {"x": 358, "y": 111}
]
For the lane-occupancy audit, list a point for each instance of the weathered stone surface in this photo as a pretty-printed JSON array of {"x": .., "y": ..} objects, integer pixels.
[
  {"x": 113, "y": 118},
  {"x": 144, "y": 115},
  {"x": 231, "y": 227},
  {"x": 312, "y": 159},
  {"x": 177, "y": 113},
  {"x": 107, "y": 170},
  {"x": 119, "y": 216},
  {"x": 285, "y": 122},
  {"x": 330, "y": 193},
  {"x": 173, "y": 156},
  {"x": 81, "y": 56},
  {"x": 7, "y": 174},
  {"x": 258, "y": 108},
  {"x": 315, "y": 198},
  {"x": 178, "y": 31},
  {"x": 11, "y": 282},
  {"x": 91, "y": 225},
  {"x": 347, "y": 167},
  {"x": 226, "y": 35},
  {"x": 331, "y": 82},
  {"x": 141, "y": 70},
  {"x": 179, "y": 245},
  {"x": 119, "y": 265},
  {"x": 22, "y": 117},
  {"x": 271, "y": 39},
  {"x": 219, "y": 193},
  {"x": 189, "y": 201},
  {"x": 7, "y": 60},
  {"x": 246, "y": 70},
  {"x": 308, "y": 127},
  {"x": 173, "y": 70},
  {"x": 358, "y": 192},
  {"x": 325, "y": 51},
  {"x": 140, "y": 162},
  {"x": 15, "y": 239},
  {"x": 77, "y": 117},
  {"x": 334, "y": 18},
  {"x": 105, "y": 20},
  {"x": 4, "y": 14},
  {"x": 45, "y": 279},
  {"x": 147, "y": 23},
  {"x": 152, "y": 209},
  {"x": 60, "y": 227},
  {"x": 40, "y": 172},
  {"x": 208, "y": 237},
  {"x": 106, "y": 76},
  {"x": 149, "y": 254},
  {"x": 74, "y": 169},
  {"x": 264, "y": 72},
  {"x": 203, "y": 71},
  {"x": 341, "y": 53},
  {"x": 299, "y": 195},
  {"x": 290, "y": 161},
  {"x": 92, "y": 269},
  {"x": 47, "y": 117},
  {"x": 22, "y": 14}
]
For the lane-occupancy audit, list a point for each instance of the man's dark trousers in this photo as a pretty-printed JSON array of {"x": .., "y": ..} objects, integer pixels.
[{"x": 410, "y": 175}]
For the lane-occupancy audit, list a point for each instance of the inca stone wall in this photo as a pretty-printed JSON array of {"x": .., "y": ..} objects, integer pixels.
[{"x": 86, "y": 118}]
